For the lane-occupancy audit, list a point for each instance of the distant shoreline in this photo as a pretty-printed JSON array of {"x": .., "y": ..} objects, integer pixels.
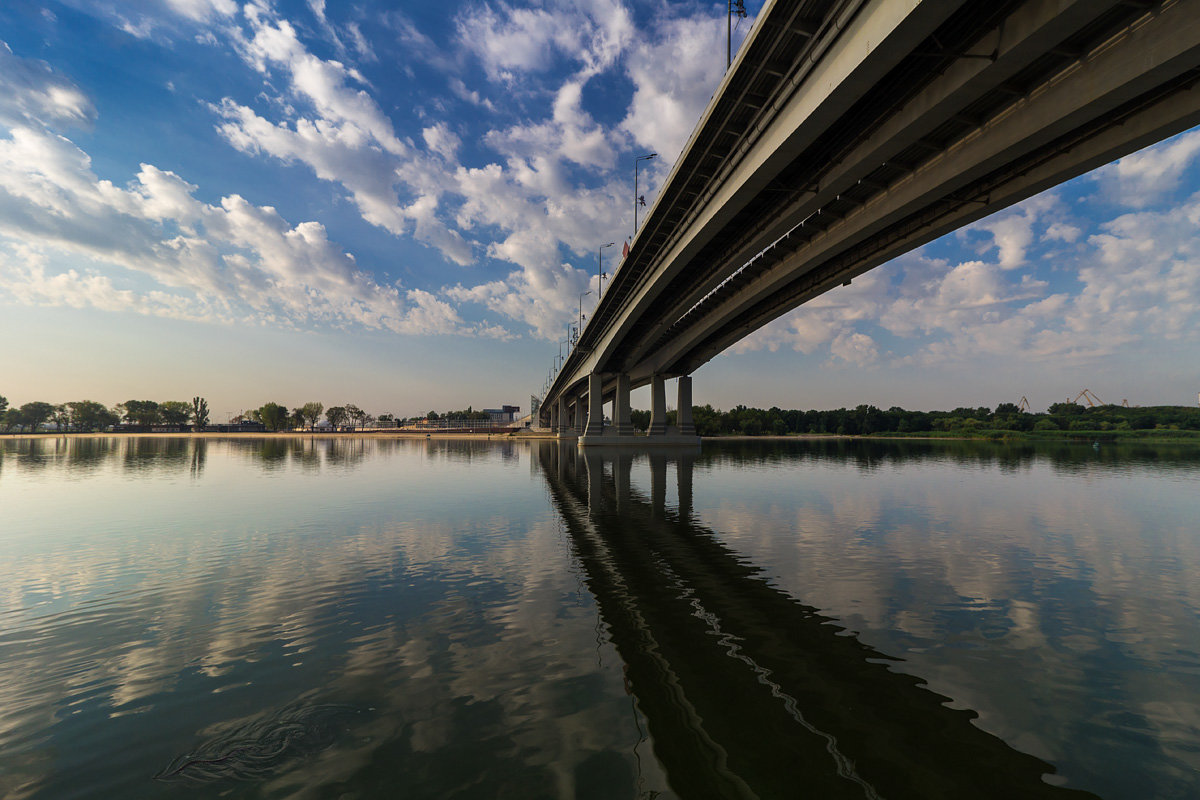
[
  {"x": 282, "y": 435},
  {"x": 1159, "y": 437}
]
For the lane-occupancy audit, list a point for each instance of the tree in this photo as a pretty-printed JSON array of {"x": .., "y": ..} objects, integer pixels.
[
  {"x": 141, "y": 412},
  {"x": 62, "y": 417},
  {"x": 272, "y": 415},
  {"x": 174, "y": 412},
  {"x": 199, "y": 413},
  {"x": 10, "y": 418},
  {"x": 35, "y": 413},
  {"x": 3, "y": 404},
  {"x": 355, "y": 414},
  {"x": 311, "y": 413},
  {"x": 336, "y": 415},
  {"x": 88, "y": 415}
]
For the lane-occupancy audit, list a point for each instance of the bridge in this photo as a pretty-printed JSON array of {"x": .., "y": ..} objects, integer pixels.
[{"x": 846, "y": 133}]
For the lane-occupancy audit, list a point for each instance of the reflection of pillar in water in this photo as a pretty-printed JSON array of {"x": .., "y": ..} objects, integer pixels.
[
  {"x": 622, "y": 467},
  {"x": 802, "y": 703},
  {"x": 595, "y": 479},
  {"x": 658, "y": 484},
  {"x": 683, "y": 470}
]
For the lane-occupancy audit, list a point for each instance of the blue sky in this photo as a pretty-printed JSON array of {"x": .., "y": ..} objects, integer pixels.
[{"x": 398, "y": 205}]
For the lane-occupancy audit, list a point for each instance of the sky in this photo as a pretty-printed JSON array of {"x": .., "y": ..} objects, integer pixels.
[{"x": 398, "y": 205}]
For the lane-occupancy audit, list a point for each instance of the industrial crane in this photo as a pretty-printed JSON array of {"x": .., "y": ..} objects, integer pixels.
[{"x": 1090, "y": 396}]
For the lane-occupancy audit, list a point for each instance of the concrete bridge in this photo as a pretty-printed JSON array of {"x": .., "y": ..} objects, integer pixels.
[{"x": 848, "y": 132}]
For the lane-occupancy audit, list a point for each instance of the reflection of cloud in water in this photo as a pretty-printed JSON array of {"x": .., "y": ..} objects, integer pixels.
[
  {"x": 747, "y": 691},
  {"x": 187, "y": 622},
  {"x": 1052, "y": 598}
]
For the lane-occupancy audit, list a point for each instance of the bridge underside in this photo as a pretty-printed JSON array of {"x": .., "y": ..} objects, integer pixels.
[{"x": 939, "y": 118}]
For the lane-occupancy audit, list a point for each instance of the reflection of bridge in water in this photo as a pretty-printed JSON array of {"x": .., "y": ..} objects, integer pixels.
[{"x": 747, "y": 692}]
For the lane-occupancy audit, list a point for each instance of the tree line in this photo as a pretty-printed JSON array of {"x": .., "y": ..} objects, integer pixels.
[
  {"x": 86, "y": 416},
  {"x": 1006, "y": 418}
]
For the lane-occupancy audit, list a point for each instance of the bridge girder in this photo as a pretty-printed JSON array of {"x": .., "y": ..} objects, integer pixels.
[{"x": 1039, "y": 94}]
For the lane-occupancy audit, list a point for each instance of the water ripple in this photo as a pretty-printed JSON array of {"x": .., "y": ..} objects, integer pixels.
[{"x": 258, "y": 749}]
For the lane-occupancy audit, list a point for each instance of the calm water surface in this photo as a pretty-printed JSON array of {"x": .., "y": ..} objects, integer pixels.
[{"x": 433, "y": 619}]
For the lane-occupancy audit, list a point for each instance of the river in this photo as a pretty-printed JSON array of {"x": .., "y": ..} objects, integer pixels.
[{"x": 360, "y": 618}]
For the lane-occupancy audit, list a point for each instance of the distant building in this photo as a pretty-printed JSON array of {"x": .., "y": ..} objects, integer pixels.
[{"x": 503, "y": 415}]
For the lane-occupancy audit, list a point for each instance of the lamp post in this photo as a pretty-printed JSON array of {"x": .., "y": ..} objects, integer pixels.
[
  {"x": 637, "y": 198},
  {"x": 581, "y": 296},
  {"x": 600, "y": 270},
  {"x": 735, "y": 7}
]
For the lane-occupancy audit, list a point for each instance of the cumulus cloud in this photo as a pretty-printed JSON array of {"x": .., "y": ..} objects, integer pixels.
[
  {"x": 510, "y": 41},
  {"x": 178, "y": 256},
  {"x": 556, "y": 189},
  {"x": 674, "y": 74},
  {"x": 31, "y": 92},
  {"x": 854, "y": 348},
  {"x": 1141, "y": 178},
  {"x": 348, "y": 140}
]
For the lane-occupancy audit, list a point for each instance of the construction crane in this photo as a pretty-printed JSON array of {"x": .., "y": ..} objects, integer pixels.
[
  {"x": 1024, "y": 404},
  {"x": 1090, "y": 397}
]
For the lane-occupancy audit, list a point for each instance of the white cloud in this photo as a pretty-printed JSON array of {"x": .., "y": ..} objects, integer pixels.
[
  {"x": 1012, "y": 230},
  {"x": 180, "y": 257},
  {"x": 855, "y": 348},
  {"x": 441, "y": 140},
  {"x": 570, "y": 135},
  {"x": 556, "y": 185},
  {"x": 30, "y": 92},
  {"x": 1141, "y": 178},
  {"x": 674, "y": 74},
  {"x": 1062, "y": 232},
  {"x": 203, "y": 10}
]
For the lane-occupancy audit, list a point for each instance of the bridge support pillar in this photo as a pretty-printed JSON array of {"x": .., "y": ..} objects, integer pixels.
[
  {"x": 558, "y": 416},
  {"x": 621, "y": 422},
  {"x": 684, "y": 413},
  {"x": 578, "y": 418},
  {"x": 658, "y": 406},
  {"x": 595, "y": 406}
]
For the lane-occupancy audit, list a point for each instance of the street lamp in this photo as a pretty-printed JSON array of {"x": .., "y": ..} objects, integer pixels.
[
  {"x": 600, "y": 271},
  {"x": 737, "y": 7},
  {"x": 637, "y": 198},
  {"x": 581, "y": 296}
]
